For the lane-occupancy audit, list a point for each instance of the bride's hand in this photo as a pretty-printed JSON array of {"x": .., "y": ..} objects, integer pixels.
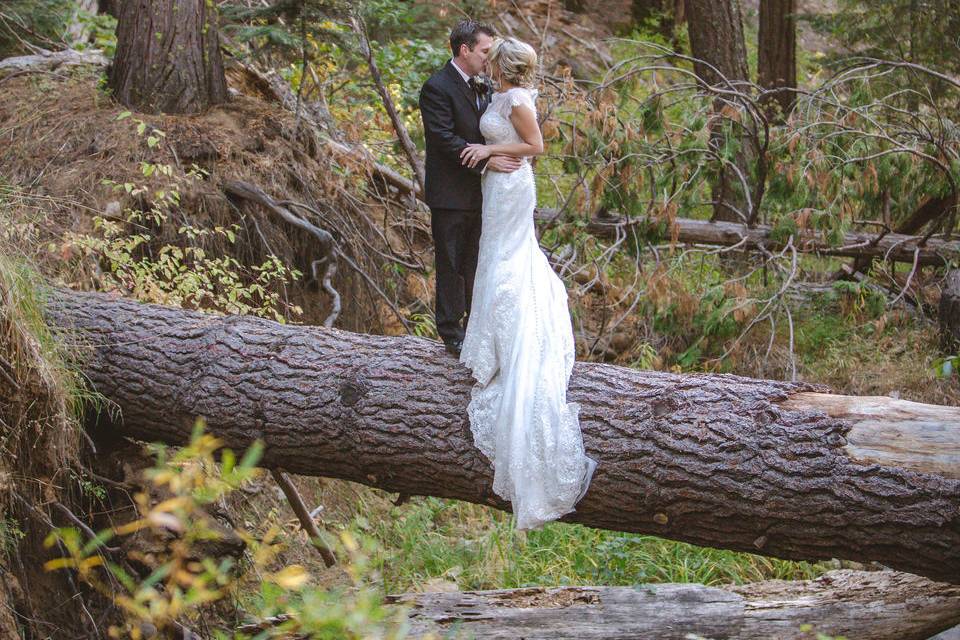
[{"x": 473, "y": 154}]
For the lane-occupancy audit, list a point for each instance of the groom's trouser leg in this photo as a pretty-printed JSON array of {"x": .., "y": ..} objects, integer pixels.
[
  {"x": 471, "y": 252},
  {"x": 451, "y": 228}
]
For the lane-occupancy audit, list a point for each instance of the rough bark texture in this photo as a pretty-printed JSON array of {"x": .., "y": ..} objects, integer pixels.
[
  {"x": 715, "y": 460},
  {"x": 878, "y": 605},
  {"x": 168, "y": 57},
  {"x": 716, "y": 41},
  {"x": 949, "y": 312},
  {"x": 716, "y": 38},
  {"x": 892, "y": 246},
  {"x": 777, "y": 54}
]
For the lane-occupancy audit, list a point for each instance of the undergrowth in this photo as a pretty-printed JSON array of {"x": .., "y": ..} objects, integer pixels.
[{"x": 434, "y": 544}]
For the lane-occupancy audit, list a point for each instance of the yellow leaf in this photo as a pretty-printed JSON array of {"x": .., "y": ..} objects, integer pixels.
[
  {"x": 59, "y": 563},
  {"x": 292, "y": 577}
]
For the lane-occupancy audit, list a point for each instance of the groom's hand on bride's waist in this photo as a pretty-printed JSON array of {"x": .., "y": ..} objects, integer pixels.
[{"x": 503, "y": 164}]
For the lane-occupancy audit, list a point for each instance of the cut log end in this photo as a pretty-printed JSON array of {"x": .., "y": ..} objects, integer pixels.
[{"x": 892, "y": 432}]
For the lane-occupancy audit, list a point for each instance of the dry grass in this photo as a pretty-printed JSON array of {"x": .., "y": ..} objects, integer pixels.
[
  {"x": 60, "y": 139},
  {"x": 40, "y": 442}
]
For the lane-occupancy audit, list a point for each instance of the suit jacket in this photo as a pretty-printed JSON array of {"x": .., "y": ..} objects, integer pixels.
[{"x": 451, "y": 120}]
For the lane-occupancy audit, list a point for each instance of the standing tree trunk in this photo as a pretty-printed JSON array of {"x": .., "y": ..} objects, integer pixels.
[
  {"x": 777, "y": 56},
  {"x": 168, "y": 57},
  {"x": 949, "y": 313},
  {"x": 716, "y": 41}
]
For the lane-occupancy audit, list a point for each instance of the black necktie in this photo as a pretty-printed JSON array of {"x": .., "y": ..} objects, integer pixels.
[{"x": 477, "y": 87}]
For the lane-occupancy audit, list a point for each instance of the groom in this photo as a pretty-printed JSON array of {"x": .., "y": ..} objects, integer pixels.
[{"x": 451, "y": 103}]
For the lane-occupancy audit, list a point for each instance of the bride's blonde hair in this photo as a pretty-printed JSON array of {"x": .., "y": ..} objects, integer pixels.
[{"x": 516, "y": 60}]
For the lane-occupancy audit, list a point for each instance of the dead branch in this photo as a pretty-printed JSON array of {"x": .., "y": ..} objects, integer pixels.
[
  {"x": 306, "y": 521},
  {"x": 329, "y": 252}
]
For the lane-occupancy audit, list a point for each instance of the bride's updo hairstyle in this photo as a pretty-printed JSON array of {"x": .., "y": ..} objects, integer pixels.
[{"x": 516, "y": 60}]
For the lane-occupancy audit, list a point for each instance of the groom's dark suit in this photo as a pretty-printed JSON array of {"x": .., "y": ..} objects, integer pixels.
[{"x": 451, "y": 120}]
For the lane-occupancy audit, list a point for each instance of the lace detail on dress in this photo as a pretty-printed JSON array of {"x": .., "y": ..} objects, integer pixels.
[
  {"x": 520, "y": 97},
  {"x": 519, "y": 346}
]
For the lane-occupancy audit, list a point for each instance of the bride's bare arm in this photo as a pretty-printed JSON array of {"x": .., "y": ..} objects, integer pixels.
[{"x": 525, "y": 122}]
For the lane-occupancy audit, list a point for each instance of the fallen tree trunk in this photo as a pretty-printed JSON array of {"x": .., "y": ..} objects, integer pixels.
[
  {"x": 893, "y": 246},
  {"x": 49, "y": 61},
  {"x": 716, "y": 460},
  {"x": 878, "y": 605},
  {"x": 930, "y": 210}
]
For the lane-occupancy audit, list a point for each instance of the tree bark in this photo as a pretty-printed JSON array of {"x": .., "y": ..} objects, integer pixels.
[
  {"x": 879, "y": 605},
  {"x": 949, "y": 313},
  {"x": 717, "y": 460},
  {"x": 777, "y": 56},
  {"x": 893, "y": 246},
  {"x": 168, "y": 57},
  {"x": 716, "y": 41}
]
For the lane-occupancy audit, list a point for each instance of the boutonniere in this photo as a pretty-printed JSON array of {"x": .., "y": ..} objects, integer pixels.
[{"x": 484, "y": 85}]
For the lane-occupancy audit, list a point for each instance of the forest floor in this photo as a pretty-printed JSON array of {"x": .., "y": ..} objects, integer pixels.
[{"x": 56, "y": 156}]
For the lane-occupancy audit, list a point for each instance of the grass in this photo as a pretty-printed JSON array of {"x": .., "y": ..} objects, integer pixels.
[{"x": 432, "y": 543}]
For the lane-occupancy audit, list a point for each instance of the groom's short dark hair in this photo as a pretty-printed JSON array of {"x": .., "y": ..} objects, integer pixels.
[{"x": 466, "y": 32}]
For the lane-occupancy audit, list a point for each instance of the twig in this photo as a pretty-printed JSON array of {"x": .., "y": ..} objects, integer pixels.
[
  {"x": 328, "y": 246},
  {"x": 299, "y": 508},
  {"x": 114, "y": 552}
]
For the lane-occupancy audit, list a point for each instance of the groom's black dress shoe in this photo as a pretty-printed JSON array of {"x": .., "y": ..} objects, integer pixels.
[{"x": 453, "y": 347}]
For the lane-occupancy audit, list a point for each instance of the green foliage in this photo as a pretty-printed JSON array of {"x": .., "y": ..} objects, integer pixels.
[
  {"x": 183, "y": 274},
  {"x": 39, "y": 23},
  {"x": 859, "y": 299},
  {"x": 424, "y": 324},
  {"x": 429, "y": 541},
  {"x": 185, "y": 583},
  {"x": 43, "y": 23},
  {"x": 814, "y": 634},
  {"x": 25, "y": 292},
  {"x": 946, "y": 366},
  {"x": 926, "y": 33},
  {"x": 10, "y": 535}
]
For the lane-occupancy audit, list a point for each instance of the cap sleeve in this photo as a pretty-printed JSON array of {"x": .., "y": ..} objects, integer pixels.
[{"x": 522, "y": 97}]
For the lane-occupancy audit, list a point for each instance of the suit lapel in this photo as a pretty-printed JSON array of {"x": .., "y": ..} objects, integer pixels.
[{"x": 465, "y": 89}]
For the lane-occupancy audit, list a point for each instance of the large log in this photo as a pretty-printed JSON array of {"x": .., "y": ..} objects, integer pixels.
[
  {"x": 51, "y": 61},
  {"x": 878, "y": 605},
  {"x": 893, "y": 246},
  {"x": 718, "y": 460}
]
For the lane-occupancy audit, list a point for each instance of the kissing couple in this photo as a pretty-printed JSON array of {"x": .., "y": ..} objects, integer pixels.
[{"x": 500, "y": 308}]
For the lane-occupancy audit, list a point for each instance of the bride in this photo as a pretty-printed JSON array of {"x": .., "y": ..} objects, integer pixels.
[{"x": 519, "y": 340}]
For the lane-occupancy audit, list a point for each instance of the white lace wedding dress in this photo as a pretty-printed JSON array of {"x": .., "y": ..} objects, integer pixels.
[{"x": 519, "y": 346}]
